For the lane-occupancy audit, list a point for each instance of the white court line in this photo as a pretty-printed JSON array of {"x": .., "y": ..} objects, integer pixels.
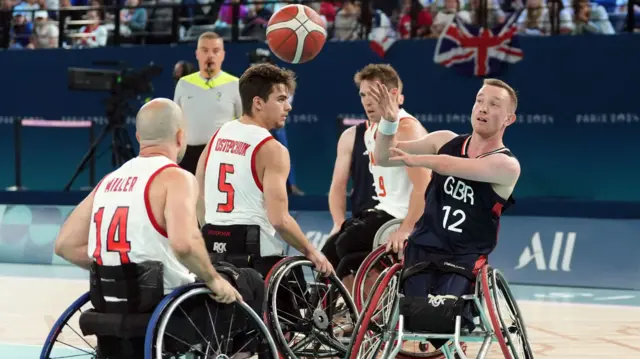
[{"x": 592, "y": 305}]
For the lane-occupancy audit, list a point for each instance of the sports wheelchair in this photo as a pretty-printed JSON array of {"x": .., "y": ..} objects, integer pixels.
[
  {"x": 126, "y": 314},
  {"x": 308, "y": 315},
  {"x": 374, "y": 263},
  {"x": 496, "y": 316}
]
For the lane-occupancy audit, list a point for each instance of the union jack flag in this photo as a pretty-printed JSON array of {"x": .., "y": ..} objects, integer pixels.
[{"x": 474, "y": 50}]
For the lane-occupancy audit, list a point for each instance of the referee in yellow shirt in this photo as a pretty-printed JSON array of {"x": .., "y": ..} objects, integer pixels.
[{"x": 209, "y": 98}]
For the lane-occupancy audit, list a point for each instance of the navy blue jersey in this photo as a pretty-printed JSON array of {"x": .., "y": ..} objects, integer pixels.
[
  {"x": 460, "y": 216},
  {"x": 362, "y": 197}
]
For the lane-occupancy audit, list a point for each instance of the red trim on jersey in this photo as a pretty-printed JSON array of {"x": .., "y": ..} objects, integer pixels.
[
  {"x": 463, "y": 151},
  {"x": 497, "y": 209},
  {"x": 206, "y": 160},
  {"x": 147, "y": 201},
  {"x": 254, "y": 170}
]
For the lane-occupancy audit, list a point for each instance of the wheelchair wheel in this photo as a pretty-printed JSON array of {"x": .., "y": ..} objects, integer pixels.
[
  {"x": 376, "y": 327},
  {"x": 71, "y": 343},
  {"x": 309, "y": 315},
  {"x": 505, "y": 315},
  {"x": 375, "y": 263},
  {"x": 384, "y": 231},
  {"x": 189, "y": 321}
]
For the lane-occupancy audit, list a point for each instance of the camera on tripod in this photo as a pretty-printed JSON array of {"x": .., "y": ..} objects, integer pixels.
[{"x": 124, "y": 85}]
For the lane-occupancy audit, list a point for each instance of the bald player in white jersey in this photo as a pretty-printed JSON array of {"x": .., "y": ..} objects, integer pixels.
[
  {"x": 145, "y": 210},
  {"x": 243, "y": 171}
]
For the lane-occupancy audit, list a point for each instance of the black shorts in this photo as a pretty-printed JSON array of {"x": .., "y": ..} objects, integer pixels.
[
  {"x": 191, "y": 156},
  {"x": 346, "y": 249}
]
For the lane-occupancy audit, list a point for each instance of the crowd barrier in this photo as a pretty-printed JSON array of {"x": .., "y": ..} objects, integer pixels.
[
  {"x": 533, "y": 247},
  {"x": 575, "y": 112}
]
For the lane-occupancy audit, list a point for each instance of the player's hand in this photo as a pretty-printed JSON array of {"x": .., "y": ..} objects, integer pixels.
[
  {"x": 223, "y": 291},
  {"x": 387, "y": 101},
  {"x": 396, "y": 154},
  {"x": 396, "y": 241},
  {"x": 321, "y": 263}
]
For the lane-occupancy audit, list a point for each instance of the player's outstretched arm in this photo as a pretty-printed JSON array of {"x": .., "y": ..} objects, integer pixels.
[
  {"x": 274, "y": 159},
  {"x": 73, "y": 239},
  {"x": 200, "y": 169},
  {"x": 179, "y": 213},
  {"x": 341, "y": 169},
  {"x": 498, "y": 169}
]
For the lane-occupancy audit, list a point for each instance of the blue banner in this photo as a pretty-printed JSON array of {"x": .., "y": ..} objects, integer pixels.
[
  {"x": 575, "y": 114},
  {"x": 596, "y": 253}
]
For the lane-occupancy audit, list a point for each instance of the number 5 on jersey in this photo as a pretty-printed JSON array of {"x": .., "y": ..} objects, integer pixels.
[
  {"x": 453, "y": 227},
  {"x": 117, "y": 229},
  {"x": 225, "y": 187}
]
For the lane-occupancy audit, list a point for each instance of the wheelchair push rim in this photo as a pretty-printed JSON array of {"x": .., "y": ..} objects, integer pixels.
[
  {"x": 261, "y": 329},
  {"x": 379, "y": 257},
  {"x": 323, "y": 302},
  {"x": 509, "y": 328}
]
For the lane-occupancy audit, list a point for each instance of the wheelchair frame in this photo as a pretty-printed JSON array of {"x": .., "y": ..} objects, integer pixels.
[
  {"x": 492, "y": 327},
  {"x": 158, "y": 321}
]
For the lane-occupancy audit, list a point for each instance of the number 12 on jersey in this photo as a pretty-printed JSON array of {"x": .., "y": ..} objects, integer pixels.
[
  {"x": 458, "y": 213},
  {"x": 117, "y": 228}
]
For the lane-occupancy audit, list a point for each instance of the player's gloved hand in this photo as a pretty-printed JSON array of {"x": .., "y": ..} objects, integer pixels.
[
  {"x": 223, "y": 291},
  {"x": 320, "y": 262},
  {"x": 396, "y": 241}
]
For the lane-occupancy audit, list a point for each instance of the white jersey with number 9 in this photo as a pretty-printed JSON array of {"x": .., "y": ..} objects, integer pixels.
[{"x": 393, "y": 186}]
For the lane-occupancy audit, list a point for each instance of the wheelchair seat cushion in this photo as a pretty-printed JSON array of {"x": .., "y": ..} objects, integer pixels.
[{"x": 124, "y": 326}]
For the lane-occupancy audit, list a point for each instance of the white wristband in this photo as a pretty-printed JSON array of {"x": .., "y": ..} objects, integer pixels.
[{"x": 387, "y": 127}]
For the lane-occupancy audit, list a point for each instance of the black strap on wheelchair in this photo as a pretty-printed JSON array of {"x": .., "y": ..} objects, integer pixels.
[
  {"x": 119, "y": 282},
  {"x": 444, "y": 267}
]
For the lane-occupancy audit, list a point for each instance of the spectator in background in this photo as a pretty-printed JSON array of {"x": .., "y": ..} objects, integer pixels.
[
  {"x": 6, "y": 15},
  {"x": 134, "y": 19},
  {"x": 424, "y": 20},
  {"x": 45, "y": 32},
  {"x": 588, "y": 18},
  {"x": 259, "y": 56},
  {"x": 181, "y": 69},
  {"x": 443, "y": 17},
  {"x": 495, "y": 15},
  {"x": 21, "y": 31},
  {"x": 534, "y": 19},
  {"x": 27, "y": 7},
  {"x": 347, "y": 25},
  {"x": 256, "y": 21},
  {"x": 92, "y": 34},
  {"x": 225, "y": 17}
]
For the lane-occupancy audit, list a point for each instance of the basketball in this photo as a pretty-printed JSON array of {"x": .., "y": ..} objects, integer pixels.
[{"x": 296, "y": 34}]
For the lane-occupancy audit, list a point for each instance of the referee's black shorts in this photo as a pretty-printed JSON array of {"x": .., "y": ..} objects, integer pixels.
[{"x": 191, "y": 156}]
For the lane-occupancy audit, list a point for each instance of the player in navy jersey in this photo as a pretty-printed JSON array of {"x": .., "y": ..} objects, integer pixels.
[{"x": 473, "y": 177}]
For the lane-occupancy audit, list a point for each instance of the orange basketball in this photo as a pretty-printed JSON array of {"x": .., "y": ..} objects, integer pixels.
[{"x": 296, "y": 34}]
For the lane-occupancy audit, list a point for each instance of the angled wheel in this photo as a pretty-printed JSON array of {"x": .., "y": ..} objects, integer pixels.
[
  {"x": 368, "y": 272},
  {"x": 504, "y": 313},
  {"x": 66, "y": 339},
  {"x": 189, "y": 321},
  {"x": 309, "y": 315}
]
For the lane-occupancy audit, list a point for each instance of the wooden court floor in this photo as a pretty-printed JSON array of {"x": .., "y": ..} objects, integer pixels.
[{"x": 557, "y": 329}]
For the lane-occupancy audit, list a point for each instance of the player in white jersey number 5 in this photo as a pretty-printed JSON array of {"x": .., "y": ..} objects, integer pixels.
[
  {"x": 243, "y": 172},
  {"x": 145, "y": 210}
]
